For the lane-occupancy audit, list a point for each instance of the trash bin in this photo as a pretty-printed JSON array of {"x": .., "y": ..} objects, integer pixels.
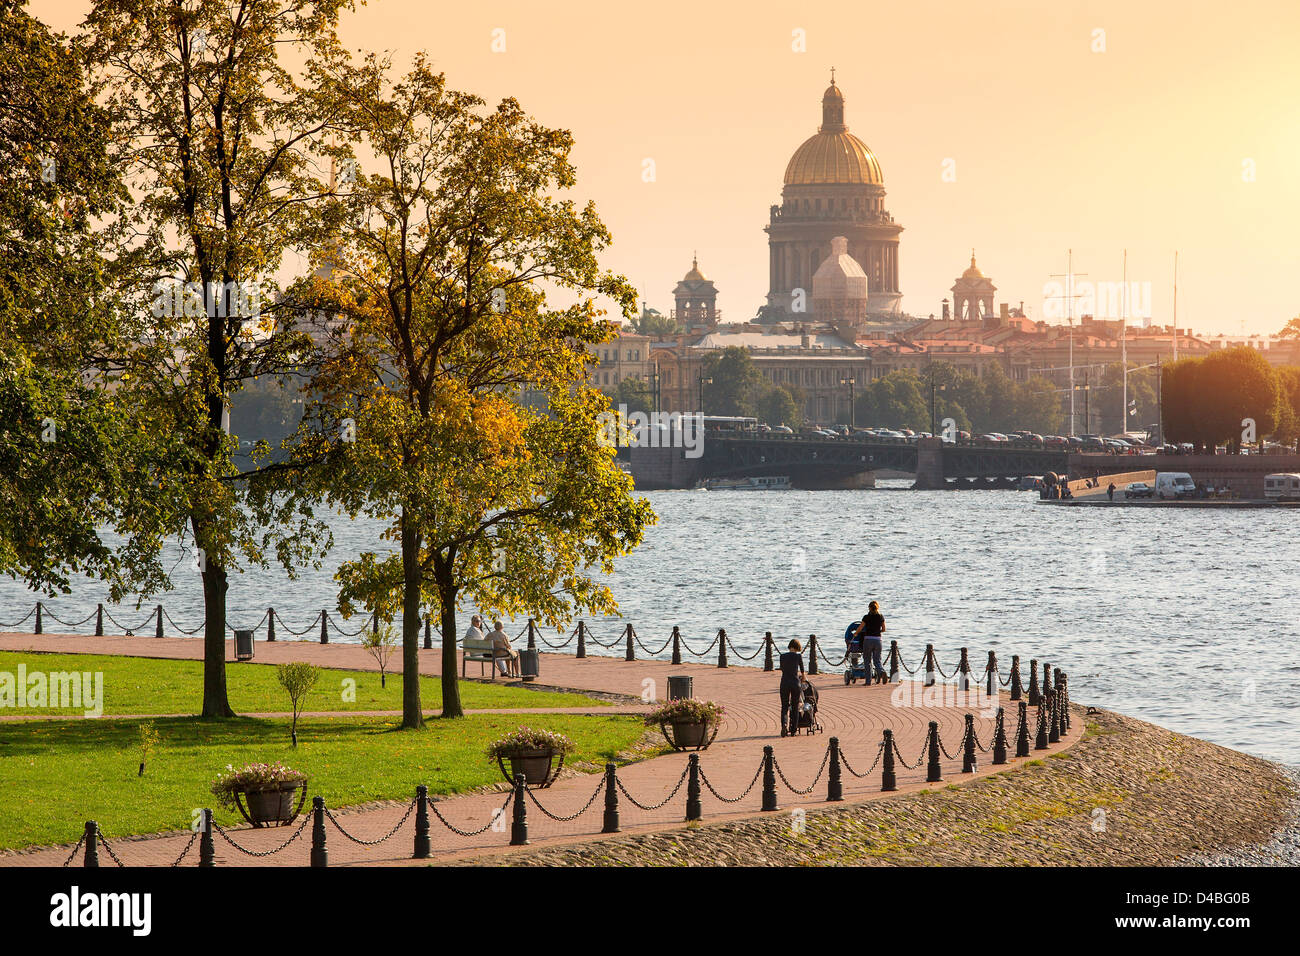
[
  {"x": 528, "y": 661},
  {"x": 243, "y": 645},
  {"x": 680, "y": 688}
]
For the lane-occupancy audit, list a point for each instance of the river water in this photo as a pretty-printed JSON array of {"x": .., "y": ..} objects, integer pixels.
[{"x": 1183, "y": 617}]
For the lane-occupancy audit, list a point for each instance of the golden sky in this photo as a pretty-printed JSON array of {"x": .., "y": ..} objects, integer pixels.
[{"x": 1147, "y": 145}]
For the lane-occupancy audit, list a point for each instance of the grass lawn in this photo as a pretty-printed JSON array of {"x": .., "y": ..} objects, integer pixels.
[
  {"x": 143, "y": 685},
  {"x": 57, "y": 774}
]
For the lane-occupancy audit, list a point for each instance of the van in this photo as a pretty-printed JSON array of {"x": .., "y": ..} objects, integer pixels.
[
  {"x": 1175, "y": 484},
  {"x": 1282, "y": 487}
]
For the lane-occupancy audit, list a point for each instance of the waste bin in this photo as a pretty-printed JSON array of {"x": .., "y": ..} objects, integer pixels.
[
  {"x": 243, "y": 645},
  {"x": 528, "y": 661},
  {"x": 680, "y": 688}
]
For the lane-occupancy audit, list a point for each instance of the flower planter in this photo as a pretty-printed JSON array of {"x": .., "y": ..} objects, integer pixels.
[
  {"x": 539, "y": 766},
  {"x": 271, "y": 806},
  {"x": 690, "y": 734}
]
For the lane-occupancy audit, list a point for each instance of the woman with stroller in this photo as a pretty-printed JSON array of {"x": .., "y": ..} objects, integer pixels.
[
  {"x": 791, "y": 682},
  {"x": 870, "y": 632}
]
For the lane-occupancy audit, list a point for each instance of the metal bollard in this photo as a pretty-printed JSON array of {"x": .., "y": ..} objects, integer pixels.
[
  {"x": 1016, "y": 689},
  {"x": 99, "y": 620},
  {"x": 423, "y": 845},
  {"x": 582, "y": 640},
  {"x": 1000, "y": 738},
  {"x": 767, "y": 651},
  {"x": 1040, "y": 738},
  {"x": 158, "y": 628},
  {"x": 963, "y": 671},
  {"x": 1047, "y": 678},
  {"x": 1022, "y": 732},
  {"x": 893, "y": 661},
  {"x": 693, "y": 788},
  {"x": 40, "y": 622},
  {"x": 630, "y": 653},
  {"x": 888, "y": 779},
  {"x": 834, "y": 786},
  {"x": 968, "y": 746},
  {"x": 519, "y": 823},
  {"x": 92, "y": 844},
  {"x": 722, "y": 647},
  {"x": 933, "y": 772},
  {"x": 428, "y": 632},
  {"x": 324, "y": 632},
  {"x": 1034, "y": 693},
  {"x": 207, "y": 849},
  {"x": 1063, "y": 688},
  {"x": 929, "y": 665},
  {"x": 1053, "y": 718},
  {"x": 532, "y": 635},
  {"x": 769, "y": 780},
  {"x": 677, "y": 646},
  {"x": 991, "y": 674},
  {"x": 611, "y": 800},
  {"x": 812, "y": 653},
  {"x": 270, "y": 624},
  {"x": 319, "y": 854}
]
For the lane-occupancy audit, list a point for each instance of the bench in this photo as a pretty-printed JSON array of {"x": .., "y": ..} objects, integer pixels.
[{"x": 477, "y": 650}]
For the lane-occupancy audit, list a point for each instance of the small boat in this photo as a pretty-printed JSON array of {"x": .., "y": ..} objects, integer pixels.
[{"x": 762, "y": 483}]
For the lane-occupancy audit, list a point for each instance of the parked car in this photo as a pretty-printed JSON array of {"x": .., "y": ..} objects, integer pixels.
[
  {"x": 1056, "y": 441},
  {"x": 1139, "y": 489},
  {"x": 1174, "y": 484},
  {"x": 783, "y": 429}
]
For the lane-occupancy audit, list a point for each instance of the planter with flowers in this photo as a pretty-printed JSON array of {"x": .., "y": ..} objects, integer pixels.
[
  {"x": 694, "y": 723},
  {"x": 263, "y": 793},
  {"x": 532, "y": 753}
]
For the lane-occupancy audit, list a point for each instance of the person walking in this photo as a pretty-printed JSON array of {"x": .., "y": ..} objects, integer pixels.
[
  {"x": 871, "y": 632},
  {"x": 1110, "y": 491},
  {"x": 791, "y": 681}
]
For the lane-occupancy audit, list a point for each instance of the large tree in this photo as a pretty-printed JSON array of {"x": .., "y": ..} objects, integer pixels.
[
  {"x": 731, "y": 382},
  {"x": 218, "y": 139},
  {"x": 450, "y": 248}
]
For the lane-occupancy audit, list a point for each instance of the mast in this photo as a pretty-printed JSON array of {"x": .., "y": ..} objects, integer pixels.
[
  {"x": 1123, "y": 347},
  {"x": 1175, "y": 305}
]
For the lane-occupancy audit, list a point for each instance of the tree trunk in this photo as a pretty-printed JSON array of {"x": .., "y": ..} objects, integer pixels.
[
  {"x": 447, "y": 592},
  {"x": 412, "y": 710},
  {"x": 215, "y": 702}
]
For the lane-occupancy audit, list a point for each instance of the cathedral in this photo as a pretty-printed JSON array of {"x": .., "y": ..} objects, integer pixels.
[{"x": 833, "y": 188}]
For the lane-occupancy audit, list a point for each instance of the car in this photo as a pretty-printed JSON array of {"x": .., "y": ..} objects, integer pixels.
[
  {"x": 1139, "y": 489},
  {"x": 1175, "y": 484},
  {"x": 783, "y": 429},
  {"x": 994, "y": 436},
  {"x": 1056, "y": 441}
]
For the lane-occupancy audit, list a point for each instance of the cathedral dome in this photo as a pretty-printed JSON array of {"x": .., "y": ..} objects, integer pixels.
[{"x": 833, "y": 155}]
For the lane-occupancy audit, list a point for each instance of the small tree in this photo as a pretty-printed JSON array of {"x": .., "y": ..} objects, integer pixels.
[
  {"x": 297, "y": 678},
  {"x": 380, "y": 645},
  {"x": 148, "y": 743}
]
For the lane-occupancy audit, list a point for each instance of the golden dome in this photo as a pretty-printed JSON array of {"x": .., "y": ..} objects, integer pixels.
[
  {"x": 834, "y": 155},
  {"x": 695, "y": 275},
  {"x": 974, "y": 271}
]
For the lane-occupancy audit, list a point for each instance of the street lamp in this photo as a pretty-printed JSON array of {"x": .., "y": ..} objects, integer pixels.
[
  {"x": 654, "y": 384},
  {"x": 942, "y": 388},
  {"x": 853, "y": 422},
  {"x": 703, "y": 381}
]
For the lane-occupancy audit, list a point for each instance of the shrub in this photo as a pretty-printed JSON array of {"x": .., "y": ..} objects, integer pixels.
[
  {"x": 526, "y": 738},
  {"x": 253, "y": 776},
  {"x": 686, "y": 710}
]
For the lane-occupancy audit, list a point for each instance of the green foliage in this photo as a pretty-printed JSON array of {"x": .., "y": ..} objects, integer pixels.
[
  {"x": 656, "y": 324},
  {"x": 522, "y": 739},
  {"x": 736, "y": 384},
  {"x": 635, "y": 393},
  {"x": 297, "y": 678},
  {"x": 148, "y": 742},
  {"x": 1207, "y": 400},
  {"x": 684, "y": 710},
  {"x": 781, "y": 406},
  {"x": 380, "y": 645}
]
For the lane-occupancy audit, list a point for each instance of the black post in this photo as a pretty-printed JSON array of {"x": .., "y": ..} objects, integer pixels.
[
  {"x": 1016, "y": 689},
  {"x": 1022, "y": 733},
  {"x": 532, "y": 635},
  {"x": 893, "y": 661},
  {"x": 1034, "y": 693},
  {"x": 99, "y": 620},
  {"x": 1053, "y": 718},
  {"x": 324, "y": 632},
  {"x": 582, "y": 640},
  {"x": 963, "y": 671},
  {"x": 767, "y": 651},
  {"x": 693, "y": 788},
  {"x": 1047, "y": 678},
  {"x": 40, "y": 623},
  {"x": 888, "y": 780},
  {"x": 812, "y": 653},
  {"x": 933, "y": 772},
  {"x": 677, "y": 646},
  {"x": 968, "y": 749},
  {"x": 611, "y": 800},
  {"x": 270, "y": 624},
  {"x": 519, "y": 825},
  {"x": 990, "y": 674},
  {"x": 428, "y": 630},
  {"x": 722, "y": 647},
  {"x": 1000, "y": 738},
  {"x": 834, "y": 787},
  {"x": 158, "y": 628},
  {"x": 423, "y": 846},
  {"x": 1063, "y": 688},
  {"x": 769, "y": 780},
  {"x": 1040, "y": 738},
  {"x": 929, "y": 665},
  {"x": 630, "y": 653},
  {"x": 207, "y": 850},
  {"x": 319, "y": 854},
  {"x": 92, "y": 844}
]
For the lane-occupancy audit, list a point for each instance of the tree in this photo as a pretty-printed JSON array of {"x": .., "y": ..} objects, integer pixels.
[
  {"x": 1037, "y": 407},
  {"x": 634, "y": 393},
  {"x": 219, "y": 142},
  {"x": 444, "y": 259},
  {"x": 895, "y": 401},
  {"x": 656, "y": 324},
  {"x": 1213, "y": 400},
  {"x": 1288, "y": 426},
  {"x": 736, "y": 381},
  {"x": 1292, "y": 329},
  {"x": 297, "y": 678},
  {"x": 780, "y": 406},
  {"x": 380, "y": 644}
]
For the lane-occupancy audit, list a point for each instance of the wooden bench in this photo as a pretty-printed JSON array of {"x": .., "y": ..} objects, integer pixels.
[{"x": 480, "y": 651}]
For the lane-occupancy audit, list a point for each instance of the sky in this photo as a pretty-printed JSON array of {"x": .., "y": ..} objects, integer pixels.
[{"x": 1087, "y": 125}]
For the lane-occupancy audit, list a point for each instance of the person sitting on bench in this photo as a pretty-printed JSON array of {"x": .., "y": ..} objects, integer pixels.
[{"x": 505, "y": 656}]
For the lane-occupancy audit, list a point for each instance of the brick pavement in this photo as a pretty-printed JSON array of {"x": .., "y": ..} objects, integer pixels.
[{"x": 856, "y": 714}]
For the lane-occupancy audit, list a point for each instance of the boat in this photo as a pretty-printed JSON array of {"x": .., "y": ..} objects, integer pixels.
[{"x": 761, "y": 483}]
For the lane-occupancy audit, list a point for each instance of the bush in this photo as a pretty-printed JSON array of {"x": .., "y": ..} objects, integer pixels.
[
  {"x": 526, "y": 738},
  {"x": 253, "y": 776},
  {"x": 684, "y": 711}
]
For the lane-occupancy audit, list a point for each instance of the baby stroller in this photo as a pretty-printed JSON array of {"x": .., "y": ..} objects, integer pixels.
[
  {"x": 855, "y": 668},
  {"x": 808, "y": 722}
]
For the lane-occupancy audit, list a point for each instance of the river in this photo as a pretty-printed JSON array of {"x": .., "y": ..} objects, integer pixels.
[{"x": 1183, "y": 617}]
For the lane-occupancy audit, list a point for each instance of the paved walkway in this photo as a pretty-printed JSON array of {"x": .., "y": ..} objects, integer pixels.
[{"x": 855, "y": 714}]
